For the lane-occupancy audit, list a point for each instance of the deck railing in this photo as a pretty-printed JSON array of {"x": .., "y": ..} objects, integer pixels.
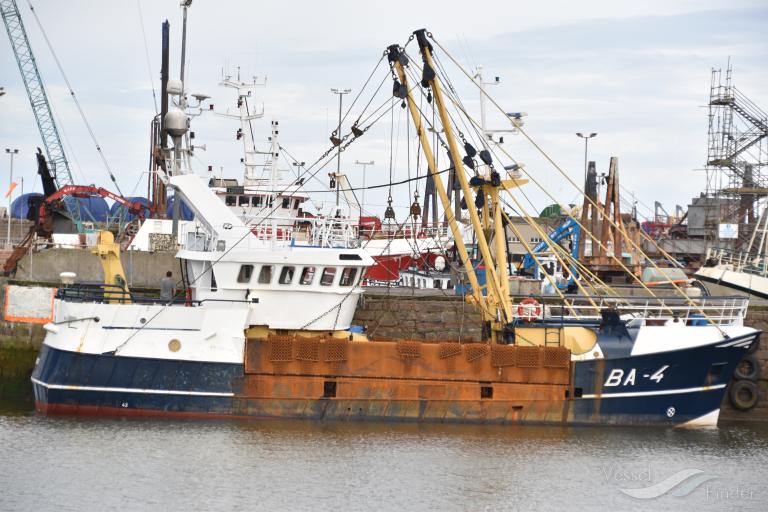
[
  {"x": 747, "y": 262},
  {"x": 729, "y": 310}
]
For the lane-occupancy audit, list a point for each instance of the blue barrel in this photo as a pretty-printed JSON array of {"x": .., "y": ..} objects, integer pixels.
[
  {"x": 20, "y": 205},
  {"x": 185, "y": 213},
  {"x": 118, "y": 209},
  {"x": 92, "y": 209}
]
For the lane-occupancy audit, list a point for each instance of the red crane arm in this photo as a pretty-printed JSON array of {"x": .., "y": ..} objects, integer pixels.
[{"x": 133, "y": 207}]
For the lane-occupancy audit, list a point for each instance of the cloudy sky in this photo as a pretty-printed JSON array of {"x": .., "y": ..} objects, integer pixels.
[{"x": 637, "y": 73}]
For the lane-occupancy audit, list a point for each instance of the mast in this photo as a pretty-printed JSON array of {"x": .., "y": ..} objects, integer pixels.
[
  {"x": 183, "y": 106},
  {"x": 274, "y": 154},
  {"x": 244, "y": 91},
  {"x": 159, "y": 197},
  {"x": 185, "y": 5},
  {"x": 397, "y": 60},
  {"x": 496, "y": 296}
]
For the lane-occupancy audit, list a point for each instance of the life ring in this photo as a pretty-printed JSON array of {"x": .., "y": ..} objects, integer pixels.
[
  {"x": 747, "y": 369},
  {"x": 529, "y": 309},
  {"x": 743, "y": 394}
]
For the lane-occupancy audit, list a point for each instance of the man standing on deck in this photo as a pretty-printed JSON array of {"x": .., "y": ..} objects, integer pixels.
[{"x": 167, "y": 287}]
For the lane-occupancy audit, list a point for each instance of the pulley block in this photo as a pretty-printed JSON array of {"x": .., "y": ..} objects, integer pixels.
[{"x": 485, "y": 156}]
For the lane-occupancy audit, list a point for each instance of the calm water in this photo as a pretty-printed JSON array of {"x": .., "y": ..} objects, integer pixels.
[{"x": 98, "y": 464}]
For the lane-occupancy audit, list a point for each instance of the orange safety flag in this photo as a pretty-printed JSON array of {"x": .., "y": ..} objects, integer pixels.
[{"x": 10, "y": 189}]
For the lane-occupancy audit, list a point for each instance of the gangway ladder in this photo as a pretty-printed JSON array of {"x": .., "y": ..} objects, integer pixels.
[{"x": 553, "y": 336}]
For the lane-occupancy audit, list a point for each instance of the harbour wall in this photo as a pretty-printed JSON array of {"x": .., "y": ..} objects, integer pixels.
[
  {"x": 19, "y": 344},
  {"x": 142, "y": 269}
]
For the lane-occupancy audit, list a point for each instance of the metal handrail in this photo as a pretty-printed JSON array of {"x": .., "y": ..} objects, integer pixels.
[
  {"x": 728, "y": 310},
  {"x": 102, "y": 292}
]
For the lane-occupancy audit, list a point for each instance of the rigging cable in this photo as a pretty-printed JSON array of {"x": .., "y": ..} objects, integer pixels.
[
  {"x": 349, "y": 109},
  {"x": 529, "y": 221},
  {"x": 613, "y": 224},
  {"x": 328, "y": 155},
  {"x": 146, "y": 52},
  {"x": 526, "y": 216}
]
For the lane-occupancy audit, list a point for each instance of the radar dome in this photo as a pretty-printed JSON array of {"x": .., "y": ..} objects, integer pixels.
[
  {"x": 176, "y": 122},
  {"x": 175, "y": 86}
]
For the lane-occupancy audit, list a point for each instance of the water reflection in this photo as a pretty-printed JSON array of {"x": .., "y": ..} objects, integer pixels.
[{"x": 299, "y": 465}]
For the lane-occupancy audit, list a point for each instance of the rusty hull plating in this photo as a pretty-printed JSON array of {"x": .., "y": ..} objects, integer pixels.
[{"x": 330, "y": 378}]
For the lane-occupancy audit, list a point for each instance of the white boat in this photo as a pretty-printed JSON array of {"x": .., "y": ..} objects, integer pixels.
[{"x": 743, "y": 272}]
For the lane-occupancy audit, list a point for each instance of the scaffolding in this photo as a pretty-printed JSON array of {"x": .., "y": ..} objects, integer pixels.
[{"x": 737, "y": 154}]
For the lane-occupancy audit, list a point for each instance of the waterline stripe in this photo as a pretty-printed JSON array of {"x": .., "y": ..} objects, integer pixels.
[
  {"x": 735, "y": 343},
  {"x": 655, "y": 393},
  {"x": 129, "y": 390}
]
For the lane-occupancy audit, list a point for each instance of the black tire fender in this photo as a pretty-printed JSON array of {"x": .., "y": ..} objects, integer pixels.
[
  {"x": 748, "y": 368},
  {"x": 744, "y": 394}
]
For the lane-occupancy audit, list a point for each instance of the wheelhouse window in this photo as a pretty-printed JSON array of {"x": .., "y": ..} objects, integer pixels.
[
  {"x": 296, "y": 204},
  {"x": 244, "y": 201},
  {"x": 307, "y": 275},
  {"x": 329, "y": 274},
  {"x": 286, "y": 202},
  {"x": 348, "y": 276},
  {"x": 245, "y": 273},
  {"x": 230, "y": 200},
  {"x": 286, "y": 275},
  {"x": 265, "y": 275},
  {"x": 256, "y": 201}
]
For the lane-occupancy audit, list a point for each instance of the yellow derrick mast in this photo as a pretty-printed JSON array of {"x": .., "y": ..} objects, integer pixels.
[
  {"x": 496, "y": 305},
  {"x": 108, "y": 252}
]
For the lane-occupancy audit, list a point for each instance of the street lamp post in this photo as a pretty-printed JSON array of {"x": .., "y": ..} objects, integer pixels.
[
  {"x": 11, "y": 152},
  {"x": 21, "y": 226},
  {"x": 364, "y": 164},
  {"x": 586, "y": 145},
  {"x": 341, "y": 93}
]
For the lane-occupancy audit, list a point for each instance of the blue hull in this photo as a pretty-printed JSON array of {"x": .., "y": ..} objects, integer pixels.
[
  {"x": 666, "y": 388},
  {"x": 71, "y": 382},
  {"x": 661, "y": 388}
]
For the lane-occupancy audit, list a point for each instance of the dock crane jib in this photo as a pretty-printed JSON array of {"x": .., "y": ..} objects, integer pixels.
[{"x": 38, "y": 100}]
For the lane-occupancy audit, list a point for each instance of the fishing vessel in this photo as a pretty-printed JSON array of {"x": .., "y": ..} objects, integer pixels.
[
  {"x": 740, "y": 272},
  {"x": 264, "y": 199},
  {"x": 262, "y": 326}
]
